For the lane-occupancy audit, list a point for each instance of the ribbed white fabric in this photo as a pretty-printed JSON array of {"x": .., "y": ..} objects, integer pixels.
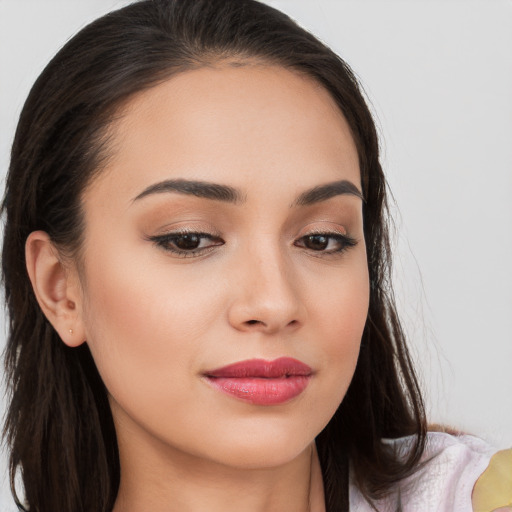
[{"x": 453, "y": 465}]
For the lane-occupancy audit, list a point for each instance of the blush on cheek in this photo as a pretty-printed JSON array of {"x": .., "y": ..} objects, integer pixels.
[{"x": 116, "y": 317}]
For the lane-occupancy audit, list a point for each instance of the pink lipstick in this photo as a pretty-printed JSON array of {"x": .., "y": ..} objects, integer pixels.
[{"x": 262, "y": 382}]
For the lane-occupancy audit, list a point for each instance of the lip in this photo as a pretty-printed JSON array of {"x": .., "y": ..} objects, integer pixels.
[{"x": 262, "y": 382}]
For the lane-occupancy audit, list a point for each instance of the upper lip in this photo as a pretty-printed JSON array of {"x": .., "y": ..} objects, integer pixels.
[{"x": 260, "y": 368}]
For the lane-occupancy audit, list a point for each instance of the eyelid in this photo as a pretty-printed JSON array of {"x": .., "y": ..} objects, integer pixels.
[
  {"x": 338, "y": 234},
  {"x": 326, "y": 231},
  {"x": 164, "y": 241},
  {"x": 322, "y": 227},
  {"x": 187, "y": 226},
  {"x": 170, "y": 239}
]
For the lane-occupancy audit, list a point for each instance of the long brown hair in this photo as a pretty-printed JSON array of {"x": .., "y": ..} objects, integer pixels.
[{"x": 59, "y": 426}]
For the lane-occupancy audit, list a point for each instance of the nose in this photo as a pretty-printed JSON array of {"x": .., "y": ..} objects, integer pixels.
[{"x": 266, "y": 294}]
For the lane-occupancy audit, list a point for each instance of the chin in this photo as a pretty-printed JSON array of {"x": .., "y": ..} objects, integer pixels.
[
  {"x": 262, "y": 457},
  {"x": 261, "y": 448}
]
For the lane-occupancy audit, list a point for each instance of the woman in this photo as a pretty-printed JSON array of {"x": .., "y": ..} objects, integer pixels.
[{"x": 196, "y": 266}]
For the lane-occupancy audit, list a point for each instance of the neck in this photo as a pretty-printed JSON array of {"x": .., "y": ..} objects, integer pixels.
[{"x": 169, "y": 480}]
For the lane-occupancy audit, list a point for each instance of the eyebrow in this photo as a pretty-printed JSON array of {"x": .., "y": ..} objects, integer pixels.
[
  {"x": 202, "y": 189},
  {"x": 227, "y": 194},
  {"x": 324, "y": 192}
]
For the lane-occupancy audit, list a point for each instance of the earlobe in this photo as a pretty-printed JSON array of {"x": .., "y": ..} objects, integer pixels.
[{"x": 56, "y": 291}]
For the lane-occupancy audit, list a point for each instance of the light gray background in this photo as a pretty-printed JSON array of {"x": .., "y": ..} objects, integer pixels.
[{"x": 439, "y": 76}]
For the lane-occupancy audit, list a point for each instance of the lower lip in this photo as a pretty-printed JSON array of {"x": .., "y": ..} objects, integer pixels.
[{"x": 261, "y": 391}]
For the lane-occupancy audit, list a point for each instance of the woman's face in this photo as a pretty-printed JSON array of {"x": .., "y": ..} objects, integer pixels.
[{"x": 210, "y": 243}]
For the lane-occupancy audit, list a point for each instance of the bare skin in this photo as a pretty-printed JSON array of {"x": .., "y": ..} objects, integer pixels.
[
  {"x": 296, "y": 486},
  {"x": 274, "y": 274}
]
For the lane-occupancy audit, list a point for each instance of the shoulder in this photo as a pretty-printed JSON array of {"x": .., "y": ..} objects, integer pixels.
[{"x": 449, "y": 469}]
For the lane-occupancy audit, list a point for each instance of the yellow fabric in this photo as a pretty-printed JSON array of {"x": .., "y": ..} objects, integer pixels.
[{"x": 493, "y": 490}]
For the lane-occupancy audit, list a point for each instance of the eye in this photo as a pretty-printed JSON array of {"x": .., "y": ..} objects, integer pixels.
[
  {"x": 187, "y": 244},
  {"x": 326, "y": 243}
]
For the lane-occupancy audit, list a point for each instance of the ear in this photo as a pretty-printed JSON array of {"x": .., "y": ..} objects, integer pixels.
[{"x": 56, "y": 288}]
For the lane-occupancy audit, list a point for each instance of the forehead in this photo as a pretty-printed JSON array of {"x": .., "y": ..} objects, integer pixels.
[{"x": 241, "y": 125}]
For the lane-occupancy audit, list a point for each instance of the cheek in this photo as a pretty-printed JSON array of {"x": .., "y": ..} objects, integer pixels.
[
  {"x": 144, "y": 325},
  {"x": 341, "y": 317}
]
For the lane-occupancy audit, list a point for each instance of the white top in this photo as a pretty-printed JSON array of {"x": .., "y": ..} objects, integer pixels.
[{"x": 444, "y": 484}]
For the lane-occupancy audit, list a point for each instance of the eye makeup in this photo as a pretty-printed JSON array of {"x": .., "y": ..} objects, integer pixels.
[{"x": 189, "y": 243}]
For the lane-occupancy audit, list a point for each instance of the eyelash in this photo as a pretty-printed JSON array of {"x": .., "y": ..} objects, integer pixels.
[
  {"x": 344, "y": 242},
  {"x": 165, "y": 241}
]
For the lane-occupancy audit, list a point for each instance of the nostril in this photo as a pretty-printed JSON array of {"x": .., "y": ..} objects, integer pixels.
[{"x": 252, "y": 322}]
